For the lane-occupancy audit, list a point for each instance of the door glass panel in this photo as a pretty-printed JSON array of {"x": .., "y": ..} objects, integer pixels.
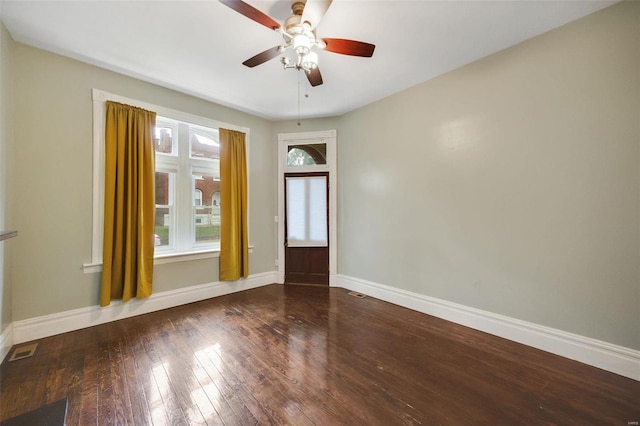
[
  {"x": 307, "y": 211},
  {"x": 307, "y": 155}
]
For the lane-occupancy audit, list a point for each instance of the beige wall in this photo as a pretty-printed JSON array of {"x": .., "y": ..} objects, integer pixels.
[
  {"x": 510, "y": 185},
  {"x": 306, "y": 125},
  {"x": 52, "y": 180},
  {"x": 6, "y": 134}
]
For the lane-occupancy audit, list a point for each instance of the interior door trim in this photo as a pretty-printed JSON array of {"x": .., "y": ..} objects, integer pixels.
[{"x": 284, "y": 140}]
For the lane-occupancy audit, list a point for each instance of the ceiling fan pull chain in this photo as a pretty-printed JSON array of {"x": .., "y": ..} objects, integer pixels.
[
  {"x": 306, "y": 88},
  {"x": 299, "y": 96}
]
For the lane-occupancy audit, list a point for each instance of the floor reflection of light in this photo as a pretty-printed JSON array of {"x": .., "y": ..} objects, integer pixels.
[
  {"x": 212, "y": 354},
  {"x": 307, "y": 351},
  {"x": 160, "y": 374},
  {"x": 202, "y": 397},
  {"x": 209, "y": 367},
  {"x": 159, "y": 391}
]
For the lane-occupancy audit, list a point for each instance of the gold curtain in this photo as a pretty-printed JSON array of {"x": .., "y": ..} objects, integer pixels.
[
  {"x": 234, "y": 242},
  {"x": 129, "y": 203}
]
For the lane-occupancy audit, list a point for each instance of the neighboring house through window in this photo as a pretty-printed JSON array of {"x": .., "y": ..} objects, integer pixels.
[{"x": 187, "y": 164}]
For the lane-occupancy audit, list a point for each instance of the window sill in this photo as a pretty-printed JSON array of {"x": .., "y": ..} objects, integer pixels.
[{"x": 92, "y": 268}]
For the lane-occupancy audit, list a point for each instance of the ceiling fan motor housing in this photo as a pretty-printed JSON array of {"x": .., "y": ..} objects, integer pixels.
[{"x": 298, "y": 7}]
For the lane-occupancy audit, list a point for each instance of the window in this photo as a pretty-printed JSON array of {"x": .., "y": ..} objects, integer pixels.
[
  {"x": 187, "y": 164},
  {"x": 187, "y": 223},
  {"x": 307, "y": 154}
]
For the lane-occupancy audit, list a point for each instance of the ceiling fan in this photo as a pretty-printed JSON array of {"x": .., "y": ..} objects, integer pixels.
[{"x": 299, "y": 34}]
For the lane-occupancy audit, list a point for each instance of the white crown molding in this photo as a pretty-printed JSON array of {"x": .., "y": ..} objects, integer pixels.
[
  {"x": 607, "y": 356},
  {"x": 62, "y": 322},
  {"x": 6, "y": 341}
]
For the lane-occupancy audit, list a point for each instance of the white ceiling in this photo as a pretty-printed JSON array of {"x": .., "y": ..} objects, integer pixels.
[{"x": 198, "y": 47}]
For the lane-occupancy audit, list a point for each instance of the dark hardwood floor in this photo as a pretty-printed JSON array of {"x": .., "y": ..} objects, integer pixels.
[{"x": 307, "y": 355}]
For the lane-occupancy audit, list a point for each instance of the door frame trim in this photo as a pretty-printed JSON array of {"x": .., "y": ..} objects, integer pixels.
[{"x": 284, "y": 140}]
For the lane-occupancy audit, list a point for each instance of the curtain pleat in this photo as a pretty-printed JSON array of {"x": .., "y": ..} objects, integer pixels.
[
  {"x": 234, "y": 241},
  {"x": 129, "y": 204}
]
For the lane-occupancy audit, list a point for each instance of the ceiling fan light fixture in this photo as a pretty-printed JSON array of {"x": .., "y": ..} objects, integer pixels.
[
  {"x": 310, "y": 61},
  {"x": 301, "y": 44}
]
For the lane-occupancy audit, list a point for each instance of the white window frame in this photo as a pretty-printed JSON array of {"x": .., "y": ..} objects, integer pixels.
[
  {"x": 100, "y": 98},
  {"x": 186, "y": 169}
]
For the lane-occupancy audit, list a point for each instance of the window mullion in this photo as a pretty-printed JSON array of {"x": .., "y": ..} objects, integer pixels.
[{"x": 184, "y": 193}]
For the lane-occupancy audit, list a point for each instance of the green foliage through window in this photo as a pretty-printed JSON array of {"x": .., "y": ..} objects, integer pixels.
[{"x": 299, "y": 157}]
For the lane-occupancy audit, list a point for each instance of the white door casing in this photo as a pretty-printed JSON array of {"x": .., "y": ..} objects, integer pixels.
[{"x": 329, "y": 138}]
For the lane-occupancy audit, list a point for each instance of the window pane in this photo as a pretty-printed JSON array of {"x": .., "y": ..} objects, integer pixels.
[
  {"x": 206, "y": 215},
  {"x": 187, "y": 221},
  {"x": 164, "y": 139},
  {"x": 204, "y": 143},
  {"x": 164, "y": 198},
  {"x": 307, "y": 155},
  {"x": 307, "y": 211}
]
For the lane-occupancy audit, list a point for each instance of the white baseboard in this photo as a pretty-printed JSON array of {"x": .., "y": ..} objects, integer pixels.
[
  {"x": 333, "y": 279},
  {"x": 49, "y": 325},
  {"x": 6, "y": 342},
  {"x": 609, "y": 357}
]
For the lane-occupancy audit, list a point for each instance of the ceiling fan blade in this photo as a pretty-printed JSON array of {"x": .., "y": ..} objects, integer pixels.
[
  {"x": 314, "y": 77},
  {"x": 314, "y": 10},
  {"x": 262, "y": 57},
  {"x": 251, "y": 13},
  {"x": 349, "y": 47}
]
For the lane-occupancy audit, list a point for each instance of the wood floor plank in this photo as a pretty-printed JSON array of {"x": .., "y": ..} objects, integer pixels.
[
  {"x": 493, "y": 369},
  {"x": 49, "y": 348},
  {"x": 307, "y": 355},
  {"x": 166, "y": 394},
  {"x": 89, "y": 396},
  {"x": 105, "y": 403},
  {"x": 121, "y": 401},
  {"x": 72, "y": 388},
  {"x": 134, "y": 369},
  {"x": 143, "y": 376},
  {"x": 178, "y": 369},
  {"x": 302, "y": 344},
  {"x": 238, "y": 357}
]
